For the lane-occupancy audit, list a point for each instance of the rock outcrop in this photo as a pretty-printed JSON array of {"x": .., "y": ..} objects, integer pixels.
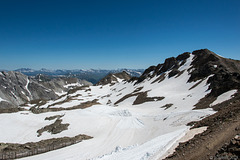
[
  {"x": 171, "y": 63},
  {"x": 113, "y": 78},
  {"x": 226, "y": 72},
  {"x": 61, "y": 83}
]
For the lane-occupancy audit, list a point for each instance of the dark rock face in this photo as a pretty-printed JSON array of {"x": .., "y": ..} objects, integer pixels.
[
  {"x": 225, "y": 72},
  {"x": 173, "y": 73},
  {"x": 203, "y": 64},
  {"x": 183, "y": 56},
  {"x": 113, "y": 78},
  {"x": 146, "y": 74},
  {"x": 206, "y": 63},
  {"x": 223, "y": 82},
  {"x": 169, "y": 64}
]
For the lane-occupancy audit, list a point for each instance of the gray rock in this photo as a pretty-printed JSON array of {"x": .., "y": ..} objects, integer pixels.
[{"x": 17, "y": 88}]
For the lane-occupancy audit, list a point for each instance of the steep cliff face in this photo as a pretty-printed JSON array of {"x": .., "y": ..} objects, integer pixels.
[
  {"x": 225, "y": 72},
  {"x": 171, "y": 63}
]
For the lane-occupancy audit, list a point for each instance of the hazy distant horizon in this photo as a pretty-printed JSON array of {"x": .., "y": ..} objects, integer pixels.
[{"x": 2, "y": 69}]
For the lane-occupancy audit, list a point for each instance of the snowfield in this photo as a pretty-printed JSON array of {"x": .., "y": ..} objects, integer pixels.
[{"x": 120, "y": 131}]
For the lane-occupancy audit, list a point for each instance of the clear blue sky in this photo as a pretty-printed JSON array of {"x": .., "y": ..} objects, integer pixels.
[{"x": 111, "y": 34}]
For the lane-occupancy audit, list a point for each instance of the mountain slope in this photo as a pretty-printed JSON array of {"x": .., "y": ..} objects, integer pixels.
[
  {"x": 224, "y": 73},
  {"x": 138, "y": 118},
  {"x": 17, "y": 89}
]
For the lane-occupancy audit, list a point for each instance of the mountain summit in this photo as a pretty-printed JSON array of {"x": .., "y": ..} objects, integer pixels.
[{"x": 224, "y": 73}]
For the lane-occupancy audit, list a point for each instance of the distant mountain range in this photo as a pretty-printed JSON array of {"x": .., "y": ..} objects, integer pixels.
[{"x": 91, "y": 75}]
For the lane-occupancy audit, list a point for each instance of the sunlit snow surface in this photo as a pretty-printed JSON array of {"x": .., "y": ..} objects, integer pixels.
[
  {"x": 224, "y": 97},
  {"x": 125, "y": 131}
]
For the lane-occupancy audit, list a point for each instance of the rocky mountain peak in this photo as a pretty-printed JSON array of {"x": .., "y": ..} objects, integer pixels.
[
  {"x": 171, "y": 63},
  {"x": 114, "y": 77},
  {"x": 204, "y": 64},
  {"x": 223, "y": 74}
]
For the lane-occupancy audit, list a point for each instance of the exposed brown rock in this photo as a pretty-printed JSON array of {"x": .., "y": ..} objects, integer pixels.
[
  {"x": 223, "y": 126},
  {"x": 80, "y": 106},
  {"x": 170, "y": 63},
  {"x": 166, "y": 106},
  {"x": 54, "y": 128},
  {"x": 111, "y": 78},
  {"x": 142, "y": 98},
  {"x": 160, "y": 78}
]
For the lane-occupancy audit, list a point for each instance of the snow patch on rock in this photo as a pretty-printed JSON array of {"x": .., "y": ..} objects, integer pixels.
[{"x": 224, "y": 97}]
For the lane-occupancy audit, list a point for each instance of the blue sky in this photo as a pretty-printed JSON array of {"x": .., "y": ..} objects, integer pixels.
[{"x": 111, "y": 34}]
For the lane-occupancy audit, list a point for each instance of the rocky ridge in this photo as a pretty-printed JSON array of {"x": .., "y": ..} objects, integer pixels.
[
  {"x": 223, "y": 73},
  {"x": 17, "y": 88},
  {"x": 115, "y": 78}
]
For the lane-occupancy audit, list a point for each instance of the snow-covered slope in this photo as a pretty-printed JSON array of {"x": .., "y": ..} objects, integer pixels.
[{"x": 136, "y": 119}]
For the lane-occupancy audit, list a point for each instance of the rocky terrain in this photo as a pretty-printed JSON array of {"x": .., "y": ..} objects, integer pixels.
[
  {"x": 220, "y": 141},
  {"x": 127, "y": 117},
  {"x": 17, "y": 89},
  {"x": 115, "y": 78}
]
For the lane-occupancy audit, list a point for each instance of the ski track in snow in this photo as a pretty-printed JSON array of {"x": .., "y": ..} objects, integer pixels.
[{"x": 134, "y": 132}]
